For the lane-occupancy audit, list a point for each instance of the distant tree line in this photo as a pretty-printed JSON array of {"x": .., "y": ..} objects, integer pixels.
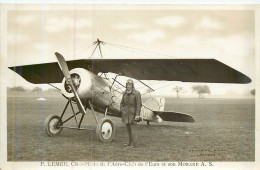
[
  {"x": 35, "y": 89},
  {"x": 201, "y": 90},
  {"x": 177, "y": 89},
  {"x": 16, "y": 89},
  {"x": 252, "y": 92}
]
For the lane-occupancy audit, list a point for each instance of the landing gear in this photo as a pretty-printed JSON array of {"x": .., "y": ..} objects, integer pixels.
[
  {"x": 148, "y": 123},
  {"x": 105, "y": 131},
  {"x": 52, "y": 125},
  {"x": 105, "y": 128}
]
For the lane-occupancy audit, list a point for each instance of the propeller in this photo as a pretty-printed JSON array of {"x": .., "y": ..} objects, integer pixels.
[{"x": 65, "y": 70}]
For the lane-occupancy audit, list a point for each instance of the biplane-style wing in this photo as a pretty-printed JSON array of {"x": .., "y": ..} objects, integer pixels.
[{"x": 185, "y": 70}]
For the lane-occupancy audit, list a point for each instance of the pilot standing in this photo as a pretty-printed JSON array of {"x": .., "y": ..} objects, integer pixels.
[{"x": 130, "y": 107}]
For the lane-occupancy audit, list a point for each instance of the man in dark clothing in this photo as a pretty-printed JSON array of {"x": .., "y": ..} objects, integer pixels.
[{"x": 130, "y": 108}]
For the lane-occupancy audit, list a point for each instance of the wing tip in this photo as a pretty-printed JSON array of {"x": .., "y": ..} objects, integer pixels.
[
  {"x": 192, "y": 119},
  {"x": 248, "y": 80},
  {"x": 242, "y": 79},
  {"x": 238, "y": 77}
]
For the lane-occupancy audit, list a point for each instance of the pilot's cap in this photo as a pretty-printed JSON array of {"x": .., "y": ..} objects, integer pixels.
[{"x": 130, "y": 81}]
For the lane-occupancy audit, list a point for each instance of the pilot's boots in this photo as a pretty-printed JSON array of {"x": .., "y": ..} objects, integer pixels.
[{"x": 130, "y": 131}]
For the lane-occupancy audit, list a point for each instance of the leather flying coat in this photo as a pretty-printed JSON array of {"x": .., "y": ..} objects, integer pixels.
[{"x": 130, "y": 106}]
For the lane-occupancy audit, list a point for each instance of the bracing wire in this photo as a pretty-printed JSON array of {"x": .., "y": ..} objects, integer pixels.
[
  {"x": 81, "y": 48},
  {"x": 131, "y": 49},
  {"x": 84, "y": 48},
  {"x": 54, "y": 86},
  {"x": 160, "y": 88},
  {"x": 126, "y": 47}
]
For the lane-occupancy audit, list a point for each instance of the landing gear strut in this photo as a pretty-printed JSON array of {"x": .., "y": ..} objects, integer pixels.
[{"x": 105, "y": 129}]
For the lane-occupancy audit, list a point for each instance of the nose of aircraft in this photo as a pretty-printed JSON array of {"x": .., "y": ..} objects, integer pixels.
[
  {"x": 85, "y": 83},
  {"x": 82, "y": 80}
]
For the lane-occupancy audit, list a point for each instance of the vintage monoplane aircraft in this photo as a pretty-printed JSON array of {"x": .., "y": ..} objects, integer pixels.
[{"x": 83, "y": 84}]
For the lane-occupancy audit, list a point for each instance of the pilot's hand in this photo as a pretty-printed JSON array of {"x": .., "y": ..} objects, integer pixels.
[{"x": 138, "y": 118}]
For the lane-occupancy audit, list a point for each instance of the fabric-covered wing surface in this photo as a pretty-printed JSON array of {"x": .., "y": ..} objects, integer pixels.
[
  {"x": 47, "y": 72},
  {"x": 185, "y": 70}
]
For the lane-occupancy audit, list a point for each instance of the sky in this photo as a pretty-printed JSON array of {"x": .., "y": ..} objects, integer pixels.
[{"x": 226, "y": 35}]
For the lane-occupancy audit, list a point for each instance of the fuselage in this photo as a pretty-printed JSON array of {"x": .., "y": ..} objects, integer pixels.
[
  {"x": 98, "y": 90},
  {"x": 101, "y": 92}
]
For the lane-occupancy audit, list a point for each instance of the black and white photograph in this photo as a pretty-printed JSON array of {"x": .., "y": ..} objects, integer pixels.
[{"x": 129, "y": 84}]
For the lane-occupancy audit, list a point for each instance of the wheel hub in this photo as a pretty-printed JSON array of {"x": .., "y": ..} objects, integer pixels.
[
  {"x": 53, "y": 126},
  {"x": 106, "y": 130}
]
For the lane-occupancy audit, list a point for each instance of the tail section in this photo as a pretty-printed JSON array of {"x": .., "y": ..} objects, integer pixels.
[
  {"x": 153, "y": 110},
  {"x": 174, "y": 116},
  {"x": 155, "y": 103},
  {"x": 150, "y": 105},
  {"x": 161, "y": 103}
]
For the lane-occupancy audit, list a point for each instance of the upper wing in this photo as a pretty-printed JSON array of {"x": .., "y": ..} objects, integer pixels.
[
  {"x": 47, "y": 72},
  {"x": 185, "y": 70}
]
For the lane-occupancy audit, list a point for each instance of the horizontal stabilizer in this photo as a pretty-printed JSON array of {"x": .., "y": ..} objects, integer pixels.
[{"x": 174, "y": 116}]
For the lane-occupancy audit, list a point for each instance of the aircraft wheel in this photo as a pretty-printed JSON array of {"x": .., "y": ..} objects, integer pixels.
[
  {"x": 51, "y": 123},
  {"x": 105, "y": 131},
  {"x": 148, "y": 123}
]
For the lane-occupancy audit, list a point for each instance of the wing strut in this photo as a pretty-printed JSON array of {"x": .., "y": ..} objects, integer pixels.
[
  {"x": 146, "y": 85},
  {"x": 113, "y": 82},
  {"x": 118, "y": 82}
]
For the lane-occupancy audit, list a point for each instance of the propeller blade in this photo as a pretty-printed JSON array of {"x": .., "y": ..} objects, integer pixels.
[
  {"x": 65, "y": 70},
  {"x": 63, "y": 65}
]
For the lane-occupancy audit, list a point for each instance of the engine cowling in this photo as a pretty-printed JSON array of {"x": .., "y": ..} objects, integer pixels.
[{"x": 82, "y": 81}]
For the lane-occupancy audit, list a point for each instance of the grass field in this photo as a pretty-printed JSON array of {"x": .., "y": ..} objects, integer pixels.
[{"x": 224, "y": 130}]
